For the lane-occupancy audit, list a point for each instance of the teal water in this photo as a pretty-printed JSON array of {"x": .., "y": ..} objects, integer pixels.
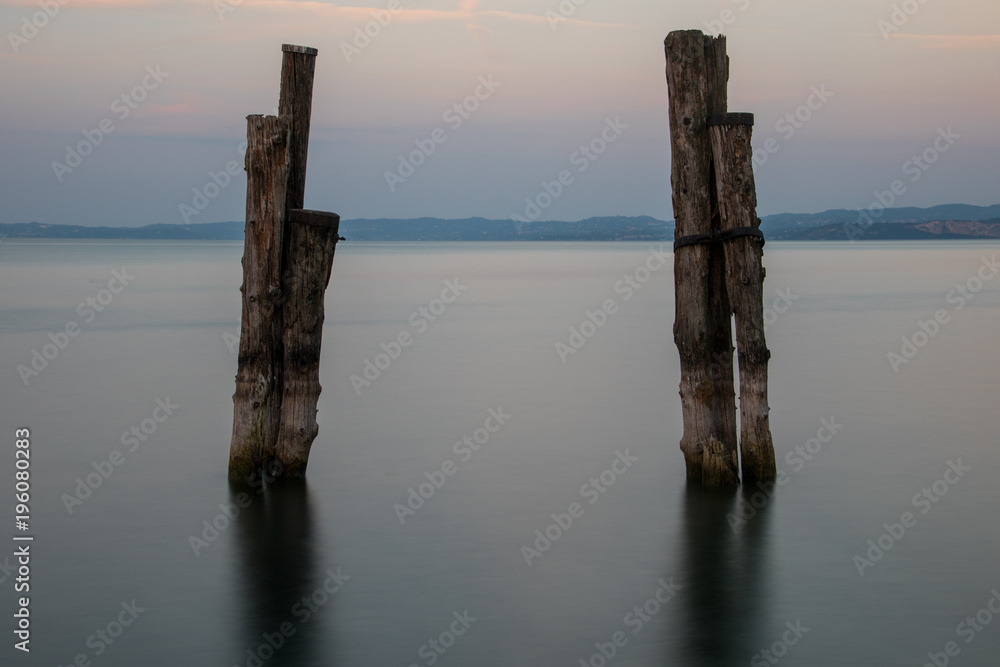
[{"x": 673, "y": 575}]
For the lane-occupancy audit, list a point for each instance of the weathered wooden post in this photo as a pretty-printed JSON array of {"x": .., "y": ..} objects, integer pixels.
[
  {"x": 257, "y": 401},
  {"x": 287, "y": 262},
  {"x": 744, "y": 253},
  {"x": 298, "y": 68},
  {"x": 721, "y": 369},
  {"x": 312, "y": 240},
  {"x": 713, "y": 210},
  {"x": 697, "y": 72}
]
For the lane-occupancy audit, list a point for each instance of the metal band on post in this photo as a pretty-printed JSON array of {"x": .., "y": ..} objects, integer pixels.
[{"x": 697, "y": 239}]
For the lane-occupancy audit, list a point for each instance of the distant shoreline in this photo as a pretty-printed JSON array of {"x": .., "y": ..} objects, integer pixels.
[{"x": 948, "y": 222}]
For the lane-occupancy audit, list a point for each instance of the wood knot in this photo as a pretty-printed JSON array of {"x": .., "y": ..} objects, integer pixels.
[{"x": 688, "y": 120}]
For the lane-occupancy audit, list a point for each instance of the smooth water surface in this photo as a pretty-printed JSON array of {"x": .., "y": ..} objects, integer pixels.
[{"x": 728, "y": 588}]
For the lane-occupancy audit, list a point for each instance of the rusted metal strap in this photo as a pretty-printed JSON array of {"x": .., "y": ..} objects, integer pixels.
[{"x": 698, "y": 239}]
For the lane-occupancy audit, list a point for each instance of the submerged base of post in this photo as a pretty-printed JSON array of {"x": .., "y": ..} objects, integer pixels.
[{"x": 713, "y": 465}]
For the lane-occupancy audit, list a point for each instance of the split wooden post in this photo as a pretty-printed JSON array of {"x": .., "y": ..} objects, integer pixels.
[
  {"x": 257, "y": 401},
  {"x": 287, "y": 262},
  {"x": 698, "y": 332},
  {"x": 744, "y": 252},
  {"x": 312, "y": 240}
]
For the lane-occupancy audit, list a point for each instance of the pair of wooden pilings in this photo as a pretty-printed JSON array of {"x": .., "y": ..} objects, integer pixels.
[
  {"x": 287, "y": 261},
  {"x": 718, "y": 269}
]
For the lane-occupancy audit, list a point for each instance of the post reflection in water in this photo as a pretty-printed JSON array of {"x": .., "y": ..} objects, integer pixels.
[
  {"x": 726, "y": 596},
  {"x": 276, "y": 557}
]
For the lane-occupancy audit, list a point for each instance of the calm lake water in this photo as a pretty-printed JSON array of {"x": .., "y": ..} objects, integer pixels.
[{"x": 677, "y": 574}]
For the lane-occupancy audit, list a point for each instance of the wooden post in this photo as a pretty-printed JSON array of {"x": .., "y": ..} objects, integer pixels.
[
  {"x": 737, "y": 195},
  {"x": 287, "y": 262},
  {"x": 720, "y": 309},
  {"x": 709, "y": 459},
  {"x": 257, "y": 401},
  {"x": 312, "y": 240},
  {"x": 298, "y": 67}
]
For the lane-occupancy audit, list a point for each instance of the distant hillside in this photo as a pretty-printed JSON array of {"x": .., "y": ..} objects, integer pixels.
[
  {"x": 952, "y": 221},
  {"x": 793, "y": 226},
  {"x": 643, "y": 228},
  {"x": 915, "y": 231},
  {"x": 210, "y": 231}
]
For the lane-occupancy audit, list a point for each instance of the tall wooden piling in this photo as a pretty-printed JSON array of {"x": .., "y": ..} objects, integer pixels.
[
  {"x": 714, "y": 262},
  {"x": 298, "y": 69},
  {"x": 287, "y": 262},
  {"x": 720, "y": 310},
  {"x": 257, "y": 401}
]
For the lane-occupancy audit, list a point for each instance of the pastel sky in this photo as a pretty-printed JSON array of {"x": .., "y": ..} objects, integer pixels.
[{"x": 555, "y": 86}]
